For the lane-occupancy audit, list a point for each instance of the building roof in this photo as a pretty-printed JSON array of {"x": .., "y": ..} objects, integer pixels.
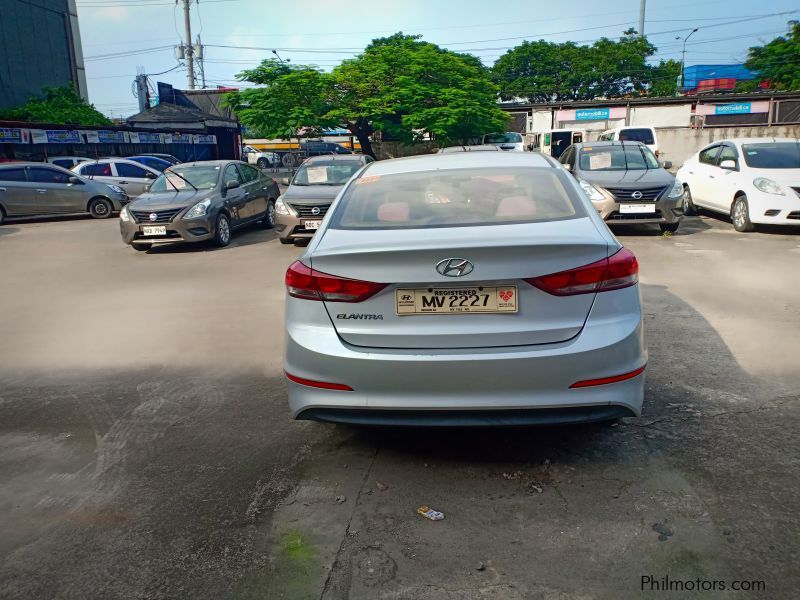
[{"x": 168, "y": 115}]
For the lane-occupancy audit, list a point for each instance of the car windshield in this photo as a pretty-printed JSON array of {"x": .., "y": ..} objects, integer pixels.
[
  {"x": 775, "y": 155},
  {"x": 453, "y": 198},
  {"x": 202, "y": 177},
  {"x": 644, "y": 136},
  {"x": 502, "y": 138},
  {"x": 617, "y": 158},
  {"x": 332, "y": 172}
]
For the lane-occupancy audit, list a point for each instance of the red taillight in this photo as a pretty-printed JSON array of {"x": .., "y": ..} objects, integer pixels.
[
  {"x": 325, "y": 385},
  {"x": 606, "y": 380},
  {"x": 305, "y": 282},
  {"x": 612, "y": 273}
]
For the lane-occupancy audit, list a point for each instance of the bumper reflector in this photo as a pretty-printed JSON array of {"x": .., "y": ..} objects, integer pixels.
[
  {"x": 318, "y": 384},
  {"x": 612, "y": 379}
]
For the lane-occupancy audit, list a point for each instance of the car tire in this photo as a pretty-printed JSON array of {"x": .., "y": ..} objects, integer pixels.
[
  {"x": 268, "y": 222},
  {"x": 2, "y": 215},
  {"x": 262, "y": 163},
  {"x": 142, "y": 247},
  {"x": 302, "y": 242},
  {"x": 100, "y": 208},
  {"x": 740, "y": 215},
  {"x": 689, "y": 209},
  {"x": 669, "y": 227},
  {"x": 286, "y": 241},
  {"x": 222, "y": 231},
  {"x": 288, "y": 160}
]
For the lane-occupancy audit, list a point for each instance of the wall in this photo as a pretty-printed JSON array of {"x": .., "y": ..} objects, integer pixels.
[
  {"x": 396, "y": 149},
  {"x": 679, "y": 143},
  {"x": 37, "y": 49}
]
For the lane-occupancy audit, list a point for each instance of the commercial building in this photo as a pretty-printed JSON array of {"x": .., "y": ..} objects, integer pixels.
[{"x": 40, "y": 46}]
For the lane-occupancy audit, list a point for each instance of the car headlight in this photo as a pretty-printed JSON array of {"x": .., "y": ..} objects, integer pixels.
[
  {"x": 117, "y": 189},
  {"x": 676, "y": 191},
  {"x": 281, "y": 208},
  {"x": 198, "y": 210},
  {"x": 124, "y": 214},
  {"x": 768, "y": 186},
  {"x": 591, "y": 191}
]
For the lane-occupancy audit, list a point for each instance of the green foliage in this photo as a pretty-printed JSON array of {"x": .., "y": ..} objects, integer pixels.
[
  {"x": 664, "y": 78},
  {"x": 779, "y": 60},
  {"x": 59, "y": 106},
  {"x": 543, "y": 71},
  {"x": 399, "y": 85},
  {"x": 290, "y": 98}
]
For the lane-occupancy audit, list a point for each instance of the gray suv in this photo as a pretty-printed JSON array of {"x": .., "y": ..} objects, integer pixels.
[
  {"x": 300, "y": 210},
  {"x": 626, "y": 183},
  {"x": 37, "y": 189}
]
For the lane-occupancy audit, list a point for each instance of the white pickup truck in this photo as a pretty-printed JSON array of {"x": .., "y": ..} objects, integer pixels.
[{"x": 260, "y": 158}]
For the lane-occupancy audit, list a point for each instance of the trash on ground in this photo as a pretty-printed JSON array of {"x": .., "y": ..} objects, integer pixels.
[
  {"x": 381, "y": 486},
  {"x": 429, "y": 513},
  {"x": 341, "y": 499}
]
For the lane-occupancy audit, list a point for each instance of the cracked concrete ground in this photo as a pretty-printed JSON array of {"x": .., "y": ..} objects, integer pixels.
[{"x": 146, "y": 449}]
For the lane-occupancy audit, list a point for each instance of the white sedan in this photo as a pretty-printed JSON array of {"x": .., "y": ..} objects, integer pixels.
[{"x": 753, "y": 180}]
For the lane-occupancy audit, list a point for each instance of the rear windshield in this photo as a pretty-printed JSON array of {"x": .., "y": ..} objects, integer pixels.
[
  {"x": 334, "y": 172},
  {"x": 455, "y": 198},
  {"x": 502, "y": 138},
  {"x": 637, "y": 135},
  {"x": 617, "y": 158},
  {"x": 775, "y": 155}
]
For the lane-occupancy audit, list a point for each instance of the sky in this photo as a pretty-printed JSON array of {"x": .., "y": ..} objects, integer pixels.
[{"x": 122, "y": 36}]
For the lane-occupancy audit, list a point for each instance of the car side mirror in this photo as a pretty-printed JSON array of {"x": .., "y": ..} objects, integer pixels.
[
  {"x": 231, "y": 185},
  {"x": 667, "y": 164},
  {"x": 74, "y": 179},
  {"x": 567, "y": 167},
  {"x": 146, "y": 188},
  {"x": 285, "y": 181},
  {"x": 149, "y": 175},
  {"x": 728, "y": 164}
]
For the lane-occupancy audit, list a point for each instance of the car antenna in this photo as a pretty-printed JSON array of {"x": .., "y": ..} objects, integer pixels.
[{"x": 182, "y": 177}]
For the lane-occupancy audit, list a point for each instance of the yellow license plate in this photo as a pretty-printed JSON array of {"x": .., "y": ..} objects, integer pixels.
[{"x": 432, "y": 301}]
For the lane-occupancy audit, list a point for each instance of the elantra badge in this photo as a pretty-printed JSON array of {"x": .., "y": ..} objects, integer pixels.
[{"x": 454, "y": 267}]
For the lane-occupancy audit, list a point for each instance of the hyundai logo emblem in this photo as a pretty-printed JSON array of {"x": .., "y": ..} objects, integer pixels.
[
  {"x": 454, "y": 267},
  {"x": 153, "y": 217},
  {"x": 637, "y": 195},
  {"x": 315, "y": 211}
]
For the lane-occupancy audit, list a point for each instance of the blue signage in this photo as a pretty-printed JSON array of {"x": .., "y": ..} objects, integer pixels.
[
  {"x": 55, "y": 136},
  {"x": 111, "y": 137},
  {"x": 736, "y": 108},
  {"x": 149, "y": 138},
  {"x": 11, "y": 135},
  {"x": 592, "y": 114}
]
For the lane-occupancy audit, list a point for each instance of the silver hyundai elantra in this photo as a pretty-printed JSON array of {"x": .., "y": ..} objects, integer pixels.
[{"x": 464, "y": 289}]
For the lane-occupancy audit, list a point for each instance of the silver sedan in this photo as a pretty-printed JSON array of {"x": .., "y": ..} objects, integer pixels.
[{"x": 464, "y": 289}]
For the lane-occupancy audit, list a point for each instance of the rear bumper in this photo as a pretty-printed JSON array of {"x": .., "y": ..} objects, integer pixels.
[{"x": 490, "y": 386}]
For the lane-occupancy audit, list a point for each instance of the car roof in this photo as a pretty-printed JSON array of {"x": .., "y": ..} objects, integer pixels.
[
  {"x": 605, "y": 143},
  {"x": 337, "y": 157},
  {"x": 460, "y": 160},
  {"x": 752, "y": 140},
  {"x": 476, "y": 148}
]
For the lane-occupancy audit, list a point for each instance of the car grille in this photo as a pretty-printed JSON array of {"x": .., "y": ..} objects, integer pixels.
[
  {"x": 307, "y": 210},
  {"x": 162, "y": 216},
  {"x": 624, "y": 194},
  {"x": 616, "y": 216},
  {"x": 795, "y": 214}
]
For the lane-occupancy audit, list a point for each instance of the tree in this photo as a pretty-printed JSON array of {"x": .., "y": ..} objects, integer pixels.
[
  {"x": 59, "y": 106},
  {"x": 664, "y": 78},
  {"x": 778, "y": 61},
  {"x": 399, "y": 85},
  {"x": 543, "y": 71}
]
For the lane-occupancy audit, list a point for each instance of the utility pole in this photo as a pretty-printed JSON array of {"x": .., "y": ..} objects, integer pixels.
[
  {"x": 641, "y": 17},
  {"x": 199, "y": 52},
  {"x": 189, "y": 48},
  {"x": 141, "y": 90}
]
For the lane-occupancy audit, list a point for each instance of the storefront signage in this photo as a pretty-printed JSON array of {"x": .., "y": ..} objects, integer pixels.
[
  {"x": 592, "y": 114},
  {"x": 144, "y": 137},
  {"x": 105, "y": 137},
  {"x": 205, "y": 139},
  {"x": 55, "y": 136},
  {"x": 178, "y": 138},
  {"x": 14, "y": 136},
  {"x": 736, "y": 108}
]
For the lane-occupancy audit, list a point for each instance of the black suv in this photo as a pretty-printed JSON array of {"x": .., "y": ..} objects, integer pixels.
[{"x": 319, "y": 148}]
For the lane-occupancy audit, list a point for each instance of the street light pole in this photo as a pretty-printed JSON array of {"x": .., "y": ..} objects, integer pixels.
[
  {"x": 683, "y": 55},
  {"x": 280, "y": 60}
]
